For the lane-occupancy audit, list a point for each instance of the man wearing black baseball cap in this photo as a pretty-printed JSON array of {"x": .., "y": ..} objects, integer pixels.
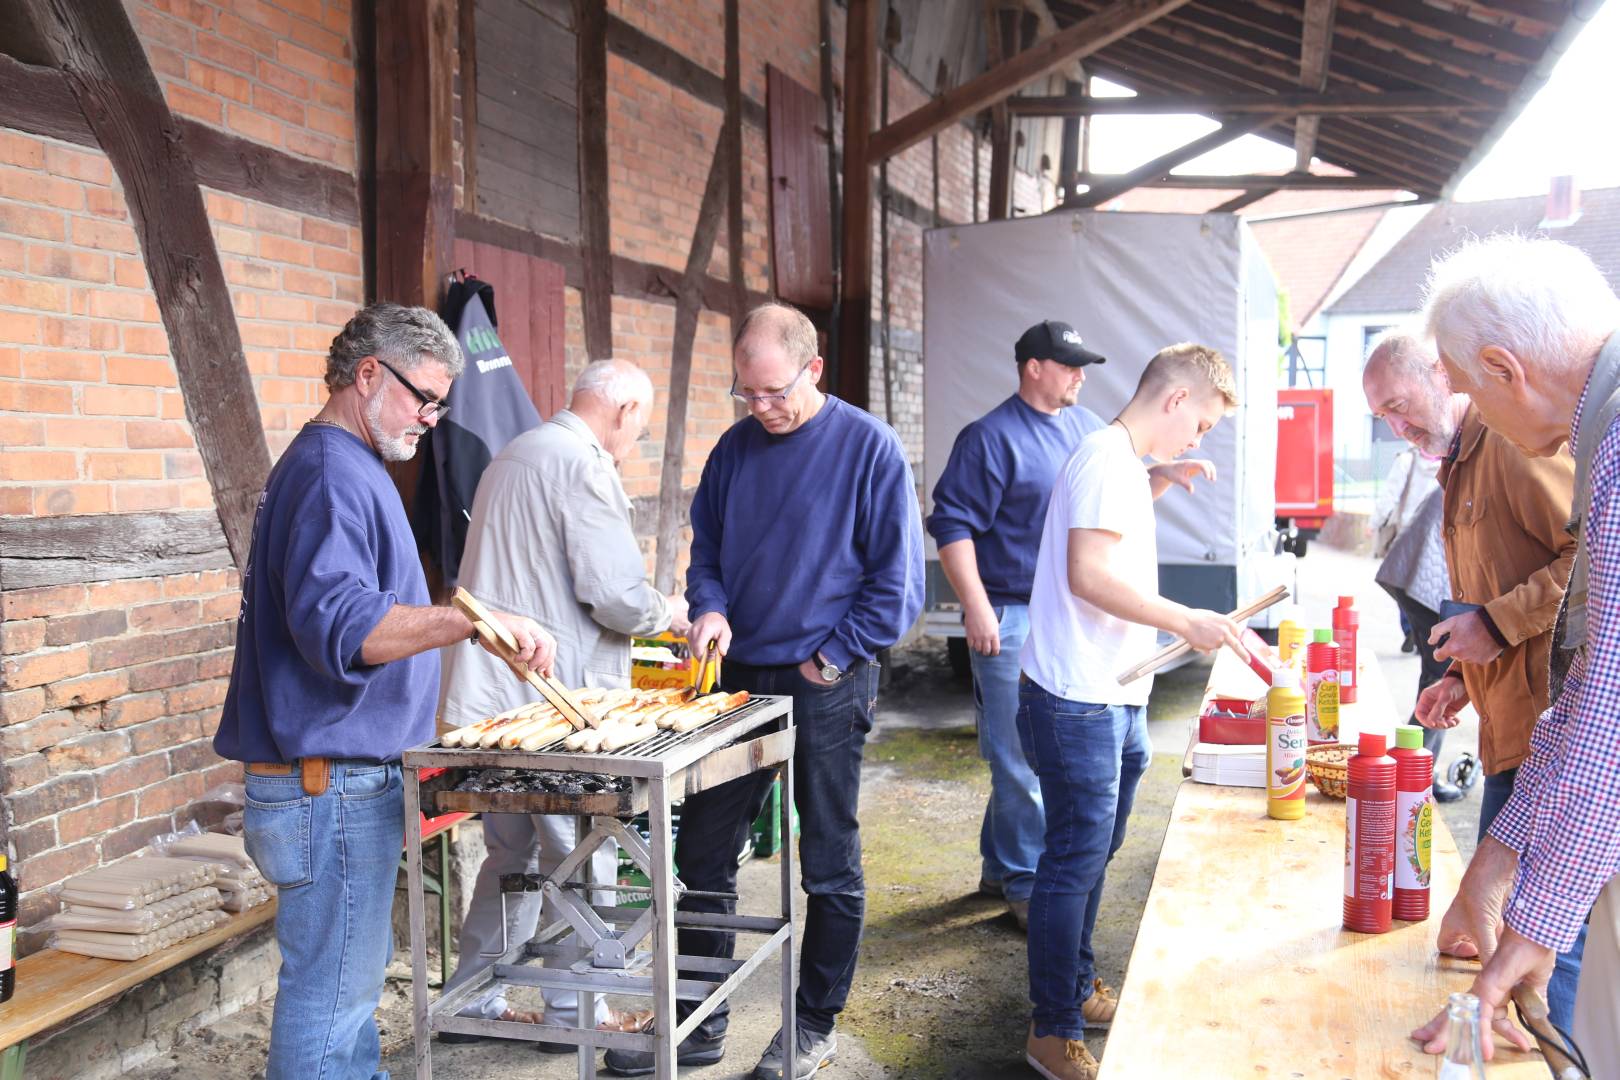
[{"x": 989, "y": 505}]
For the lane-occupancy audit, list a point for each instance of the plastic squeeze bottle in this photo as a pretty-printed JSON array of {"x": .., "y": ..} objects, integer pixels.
[
  {"x": 1285, "y": 746},
  {"x": 1346, "y": 628},
  {"x": 1369, "y": 838},
  {"x": 1414, "y": 823},
  {"x": 1322, "y": 660},
  {"x": 1291, "y": 639}
]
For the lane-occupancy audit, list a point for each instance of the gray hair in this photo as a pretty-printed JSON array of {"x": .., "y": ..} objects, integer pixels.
[
  {"x": 1405, "y": 350},
  {"x": 1543, "y": 300},
  {"x": 787, "y": 325},
  {"x": 398, "y": 335},
  {"x": 618, "y": 382}
]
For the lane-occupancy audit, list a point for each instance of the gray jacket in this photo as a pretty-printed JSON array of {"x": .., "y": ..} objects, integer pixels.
[{"x": 551, "y": 538}]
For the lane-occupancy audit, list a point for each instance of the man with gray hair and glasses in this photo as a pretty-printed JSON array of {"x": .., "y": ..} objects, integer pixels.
[
  {"x": 806, "y": 561},
  {"x": 1529, "y": 329},
  {"x": 552, "y": 537},
  {"x": 332, "y": 680}
]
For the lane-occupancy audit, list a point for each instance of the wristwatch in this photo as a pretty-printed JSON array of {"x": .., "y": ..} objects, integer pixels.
[{"x": 829, "y": 670}]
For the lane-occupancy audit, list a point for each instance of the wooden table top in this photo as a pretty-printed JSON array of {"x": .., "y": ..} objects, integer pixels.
[{"x": 1241, "y": 967}]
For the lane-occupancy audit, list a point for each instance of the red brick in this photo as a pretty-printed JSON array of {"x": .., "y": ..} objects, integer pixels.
[
  {"x": 80, "y": 334},
  {"x": 51, "y": 797},
  {"x": 132, "y": 838},
  {"x": 163, "y": 673},
  {"x": 20, "y": 706},
  {"x": 202, "y": 695},
  {"x": 227, "y": 54},
  {"x": 88, "y": 752},
  {"x": 132, "y": 774},
  {"x": 332, "y": 123},
  {"x": 17, "y": 638},
  {"x": 182, "y": 464},
  {"x": 124, "y": 592},
  {"x": 19, "y": 431},
  {"x": 72, "y": 629},
  {"x": 131, "y": 710},
  {"x": 218, "y": 81},
  {"x": 197, "y": 584},
  {"x": 62, "y": 366},
  {"x": 106, "y": 203},
  {"x": 168, "y": 732},
  {"x": 188, "y": 102},
  {"x": 105, "y": 236},
  {"x": 41, "y": 224},
  {"x": 96, "y": 819},
  {"x": 172, "y": 406},
  {"x": 131, "y": 498},
  {"x": 118, "y": 401},
  {"x": 40, "y": 668},
  {"x": 194, "y": 756},
  {"x": 281, "y": 249},
  {"x": 157, "y": 434},
  {"x": 10, "y": 363},
  {"x": 37, "y": 465},
  {"x": 81, "y": 433},
  {"x": 140, "y": 371},
  {"x": 122, "y": 304},
  {"x": 44, "y": 731},
  {"x": 125, "y": 466},
  {"x": 16, "y": 501},
  {"x": 166, "y": 615},
  {"x": 52, "y": 866},
  {"x": 31, "y": 397},
  {"x": 130, "y": 273},
  {"x": 145, "y": 341},
  {"x": 72, "y": 499},
  {"x": 278, "y": 105},
  {"x": 37, "y": 839},
  {"x": 19, "y": 149},
  {"x": 86, "y": 690},
  {"x": 253, "y": 125}
]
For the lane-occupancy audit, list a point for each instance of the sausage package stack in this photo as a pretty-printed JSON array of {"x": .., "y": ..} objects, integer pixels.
[
  {"x": 132, "y": 909},
  {"x": 238, "y": 879}
]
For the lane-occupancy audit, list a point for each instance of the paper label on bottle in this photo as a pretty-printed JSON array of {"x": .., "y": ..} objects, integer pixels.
[
  {"x": 1285, "y": 757},
  {"x": 1372, "y": 873},
  {"x": 8, "y": 944},
  {"x": 1350, "y": 846},
  {"x": 1414, "y": 822},
  {"x": 1322, "y": 706}
]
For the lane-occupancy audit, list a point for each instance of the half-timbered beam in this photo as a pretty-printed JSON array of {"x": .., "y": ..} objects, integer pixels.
[
  {"x": 855, "y": 279},
  {"x": 595, "y": 212},
  {"x": 1101, "y": 192},
  {"x": 1315, "y": 48},
  {"x": 1243, "y": 181},
  {"x": 1074, "y": 42},
  {"x": 106, "y": 71},
  {"x": 1334, "y": 103}
]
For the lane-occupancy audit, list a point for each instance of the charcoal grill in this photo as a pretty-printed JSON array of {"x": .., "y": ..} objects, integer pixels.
[{"x": 613, "y": 948}]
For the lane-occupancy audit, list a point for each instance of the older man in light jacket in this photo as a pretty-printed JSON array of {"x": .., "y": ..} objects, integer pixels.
[{"x": 551, "y": 537}]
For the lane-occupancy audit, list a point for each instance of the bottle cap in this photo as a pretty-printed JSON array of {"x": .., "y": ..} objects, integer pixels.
[
  {"x": 1408, "y": 737},
  {"x": 1284, "y": 677},
  {"x": 1347, "y": 601},
  {"x": 1321, "y": 636},
  {"x": 1372, "y": 744}
]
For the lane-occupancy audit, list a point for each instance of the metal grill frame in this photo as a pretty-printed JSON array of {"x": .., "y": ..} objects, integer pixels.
[{"x": 663, "y": 769}]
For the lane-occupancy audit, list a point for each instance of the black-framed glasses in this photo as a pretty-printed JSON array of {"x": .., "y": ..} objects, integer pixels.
[
  {"x": 432, "y": 407},
  {"x": 772, "y": 398}
]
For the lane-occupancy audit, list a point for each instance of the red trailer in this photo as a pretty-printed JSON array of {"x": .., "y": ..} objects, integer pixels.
[{"x": 1304, "y": 464}]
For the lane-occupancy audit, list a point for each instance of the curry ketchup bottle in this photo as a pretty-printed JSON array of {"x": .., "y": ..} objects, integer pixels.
[
  {"x": 1369, "y": 838},
  {"x": 1346, "y": 629},
  {"x": 1414, "y": 823}
]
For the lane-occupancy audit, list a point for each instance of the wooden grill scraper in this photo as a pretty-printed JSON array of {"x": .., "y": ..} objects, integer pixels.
[
  {"x": 492, "y": 632},
  {"x": 1179, "y": 646}
]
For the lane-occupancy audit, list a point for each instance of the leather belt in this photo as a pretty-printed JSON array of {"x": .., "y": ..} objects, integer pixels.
[{"x": 316, "y": 772}]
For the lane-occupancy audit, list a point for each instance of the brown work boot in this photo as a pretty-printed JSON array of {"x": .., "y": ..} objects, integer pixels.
[
  {"x": 1057, "y": 1058},
  {"x": 1098, "y": 1009},
  {"x": 1019, "y": 910}
]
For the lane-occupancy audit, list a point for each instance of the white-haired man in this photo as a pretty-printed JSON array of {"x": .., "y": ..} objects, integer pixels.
[
  {"x": 1527, "y": 329},
  {"x": 552, "y": 537},
  {"x": 333, "y": 679}
]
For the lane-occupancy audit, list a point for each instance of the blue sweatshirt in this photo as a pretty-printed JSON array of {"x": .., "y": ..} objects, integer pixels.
[
  {"x": 996, "y": 485},
  {"x": 808, "y": 541},
  {"x": 332, "y": 553}
]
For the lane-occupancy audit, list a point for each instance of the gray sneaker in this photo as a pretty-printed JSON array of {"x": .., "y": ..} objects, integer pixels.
[{"x": 814, "y": 1052}]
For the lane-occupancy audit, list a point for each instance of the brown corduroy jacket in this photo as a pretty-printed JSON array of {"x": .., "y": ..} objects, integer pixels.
[{"x": 1507, "y": 547}]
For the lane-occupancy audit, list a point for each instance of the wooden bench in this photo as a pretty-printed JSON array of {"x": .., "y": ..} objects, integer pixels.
[{"x": 1241, "y": 966}]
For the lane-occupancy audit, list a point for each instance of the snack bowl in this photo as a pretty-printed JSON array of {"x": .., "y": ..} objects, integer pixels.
[{"x": 1329, "y": 768}]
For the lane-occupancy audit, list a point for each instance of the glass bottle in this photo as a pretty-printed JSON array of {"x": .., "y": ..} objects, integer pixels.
[{"x": 1462, "y": 1060}]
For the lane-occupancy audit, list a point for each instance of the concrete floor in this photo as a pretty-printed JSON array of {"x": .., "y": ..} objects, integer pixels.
[{"x": 941, "y": 991}]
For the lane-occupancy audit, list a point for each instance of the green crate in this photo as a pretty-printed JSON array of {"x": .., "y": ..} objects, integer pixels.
[{"x": 768, "y": 826}]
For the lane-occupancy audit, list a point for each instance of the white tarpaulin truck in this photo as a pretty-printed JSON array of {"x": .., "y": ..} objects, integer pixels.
[{"x": 1130, "y": 283}]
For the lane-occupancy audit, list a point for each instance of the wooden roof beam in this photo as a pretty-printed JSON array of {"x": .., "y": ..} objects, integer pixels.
[
  {"x": 1253, "y": 181},
  {"x": 1074, "y": 42},
  {"x": 1494, "y": 36},
  {"x": 1103, "y": 190},
  {"x": 1315, "y": 49},
  {"x": 1301, "y": 103}
]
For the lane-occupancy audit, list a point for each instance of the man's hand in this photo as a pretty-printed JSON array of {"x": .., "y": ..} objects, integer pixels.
[
  {"x": 1517, "y": 963},
  {"x": 536, "y": 649},
  {"x": 811, "y": 670},
  {"x": 1440, "y": 702},
  {"x": 983, "y": 630},
  {"x": 1470, "y": 641},
  {"x": 1184, "y": 472},
  {"x": 710, "y": 626},
  {"x": 1207, "y": 631},
  {"x": 679, "y": 624}
]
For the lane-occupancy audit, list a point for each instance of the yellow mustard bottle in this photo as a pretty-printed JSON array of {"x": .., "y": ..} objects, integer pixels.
[
  {"x": 1291, "y": 639},
  {"x": 1285, "y": 746}
]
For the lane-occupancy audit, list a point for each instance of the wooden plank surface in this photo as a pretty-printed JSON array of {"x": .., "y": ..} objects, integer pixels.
[
  {"x": 57, "y": 986},
  {"x": 1241, "y": 967}
]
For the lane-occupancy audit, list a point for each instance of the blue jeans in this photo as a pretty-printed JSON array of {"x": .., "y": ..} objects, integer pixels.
[
  {"x": 335, "y": 860},
  {"x": 1010, "y": 839},
  {"x": 1089, "y": 759},
  {"x": 1567, "y": 968},
  {"x": 832, "y": 723}
]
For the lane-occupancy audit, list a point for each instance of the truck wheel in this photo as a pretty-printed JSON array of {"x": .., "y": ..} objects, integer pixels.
[{"x": 957, "y": 649}]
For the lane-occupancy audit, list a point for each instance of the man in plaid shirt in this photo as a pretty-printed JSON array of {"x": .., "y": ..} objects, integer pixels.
[{"x": 1528, "y": 329}]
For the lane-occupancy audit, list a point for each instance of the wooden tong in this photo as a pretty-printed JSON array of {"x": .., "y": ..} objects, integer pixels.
[
  {"x": 1179, "y": 646},
  {"x": 492, "y": 632},
  {"x": 705, "y": 668}
]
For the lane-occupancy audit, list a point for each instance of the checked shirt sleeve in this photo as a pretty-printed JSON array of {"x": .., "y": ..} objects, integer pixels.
[{"x": 1573, "y": 846}]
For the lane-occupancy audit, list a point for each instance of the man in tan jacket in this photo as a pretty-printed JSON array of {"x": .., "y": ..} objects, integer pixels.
[{"x": 1509, "y": 552}]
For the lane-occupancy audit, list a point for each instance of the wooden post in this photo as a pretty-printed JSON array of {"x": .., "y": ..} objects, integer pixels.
[
  {"x": 1000, "y": 42},
  {"x": 467, "y": 39},
  {"x": 106, "y": 68},
  {"x": 1315, "y": 44},
  {"x": 732, "y": 141},
  {"x": 1069, "y": 151},
  {"x": 855, "y": 284},
  {"x": 415, "y": 182},
  {"x": 595, "y": 213}
]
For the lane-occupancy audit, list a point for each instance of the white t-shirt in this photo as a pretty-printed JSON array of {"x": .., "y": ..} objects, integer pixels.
[{"x": 1075, "y": 649}]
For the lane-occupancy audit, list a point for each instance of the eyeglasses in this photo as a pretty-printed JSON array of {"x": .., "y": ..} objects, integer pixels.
[
  {"x": 432, "y": 408},
  {"x": 769, "y": 399}
]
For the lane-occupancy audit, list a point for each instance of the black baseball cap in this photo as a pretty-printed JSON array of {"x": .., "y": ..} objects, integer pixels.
[{"x": 1053, "y": 340}]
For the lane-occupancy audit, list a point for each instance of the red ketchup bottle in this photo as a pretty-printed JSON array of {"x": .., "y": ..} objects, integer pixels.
[
  {"x": 1346, "y": 627},
  {"x": 1414, "y": 823},
  {"x": 1369, "y": 838}
]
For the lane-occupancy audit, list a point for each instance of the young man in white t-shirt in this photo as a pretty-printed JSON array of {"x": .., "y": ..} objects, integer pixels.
[{"x": 1095, "y": 609}]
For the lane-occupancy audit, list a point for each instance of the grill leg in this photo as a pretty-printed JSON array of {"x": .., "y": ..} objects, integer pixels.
[
  {"x": 790, "y": 1035},
  {"x": 585, "y": 1002},
  {"x": 414, "y": 897},
  {"x": 663, "y": 905}
]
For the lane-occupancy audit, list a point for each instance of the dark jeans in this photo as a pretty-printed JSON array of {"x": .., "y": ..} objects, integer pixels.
[
  {"x": 1430, "y": 671},
  {"x": 832, "y": 723},
  {"x": 1089, "y": 759},
  {"x": 1567, "y": 967}
]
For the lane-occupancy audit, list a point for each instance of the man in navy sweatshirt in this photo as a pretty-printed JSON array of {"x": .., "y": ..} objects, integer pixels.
[
  {"x": 989, "y": 505},
  {"x": 332, "y": 680},
  {"x": 806, "y": 560}
]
